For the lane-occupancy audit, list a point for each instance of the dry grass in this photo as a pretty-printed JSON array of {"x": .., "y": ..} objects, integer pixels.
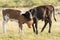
[{"x": 12, "y": 31}]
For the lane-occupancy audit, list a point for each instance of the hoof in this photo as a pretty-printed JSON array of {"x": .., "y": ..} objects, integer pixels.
[{"x": 37, "y": 32}]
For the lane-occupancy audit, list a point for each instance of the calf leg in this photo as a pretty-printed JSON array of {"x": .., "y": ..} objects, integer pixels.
[
  {"x": 50, "y": 23},
  {"x": 44, "y": 25},
  {"x": 5, "y": 20},
  {"x": 20, "y": 28},
  {"x": 33, "y": 28},
  {"x": 36, "y": 28},
  {"x": 3, "y": 26}
]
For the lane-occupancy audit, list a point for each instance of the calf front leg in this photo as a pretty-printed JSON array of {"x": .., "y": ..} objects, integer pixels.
[
  {"x": 20, "y": 28},
  {"x": 35, "y": 22},
  {"x": 33, "y": 28},
  {"x": 3, "y": 26},
  {"x": 36, "y": 28},
  {"x": 5, "y": 20}
]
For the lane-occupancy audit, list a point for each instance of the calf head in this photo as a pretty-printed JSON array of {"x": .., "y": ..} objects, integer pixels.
[
  {"x": 28, "y": 15},
  {"x": 29, "y": 18}
]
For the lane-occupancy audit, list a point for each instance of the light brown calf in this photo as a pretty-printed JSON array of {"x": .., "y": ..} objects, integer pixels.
[{"x": 9, "y": 14}]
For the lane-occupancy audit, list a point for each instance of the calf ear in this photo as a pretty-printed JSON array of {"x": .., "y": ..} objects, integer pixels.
[{"x": 26, "y": 15}]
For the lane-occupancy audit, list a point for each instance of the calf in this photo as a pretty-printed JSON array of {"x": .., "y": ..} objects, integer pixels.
[
  {"x": 43, "y": 13},
  {"x": 9, "y": 14}
]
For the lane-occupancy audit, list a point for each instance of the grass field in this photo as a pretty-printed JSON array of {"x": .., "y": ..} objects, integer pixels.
[{"x": 12, "y": 31}]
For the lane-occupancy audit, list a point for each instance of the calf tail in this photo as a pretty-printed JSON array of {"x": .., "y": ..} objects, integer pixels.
[{"x": 54, "y": 14}]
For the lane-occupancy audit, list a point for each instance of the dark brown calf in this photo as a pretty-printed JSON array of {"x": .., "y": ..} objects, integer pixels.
[
  {"x": 9, "y": 14},
  {"x": 43, "y": 13}
]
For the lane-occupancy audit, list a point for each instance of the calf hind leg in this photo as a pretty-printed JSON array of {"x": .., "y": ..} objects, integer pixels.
[
  {"x": 50, "y": 23},
  {"x": 44, "y": 26}
]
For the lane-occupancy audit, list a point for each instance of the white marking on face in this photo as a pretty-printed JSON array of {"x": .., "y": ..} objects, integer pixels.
[{"x": 6, "y": 17}]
